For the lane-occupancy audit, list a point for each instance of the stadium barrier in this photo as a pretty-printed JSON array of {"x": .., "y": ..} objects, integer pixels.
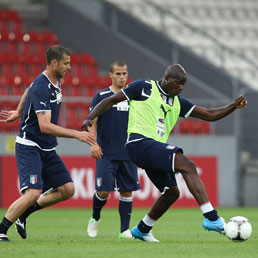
[{"x": 82, "y": 169}]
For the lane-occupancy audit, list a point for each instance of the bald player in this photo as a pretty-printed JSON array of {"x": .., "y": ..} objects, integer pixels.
[{"x": 154, "y": 109}]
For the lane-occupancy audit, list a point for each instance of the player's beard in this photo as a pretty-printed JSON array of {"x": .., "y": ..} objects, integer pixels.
[{"x": 59, "y": 75}]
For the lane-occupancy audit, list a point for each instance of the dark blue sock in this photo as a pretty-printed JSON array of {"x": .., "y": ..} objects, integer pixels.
[
  {"x": 125, "y": 210},
  {"x": 34, "y": 207},
  {"x": 5, "y": 225},
  {"x": 143, "y": 227},
  {"x": 211, "y": 215},
  {"x": 97, "y": 206}
]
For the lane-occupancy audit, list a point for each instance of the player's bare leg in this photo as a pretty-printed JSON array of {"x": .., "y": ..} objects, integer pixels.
[
  {"x": 188, "y": 170},
  {"x": 62, "y": 193},
  {"x": 16, "y": 209},
  {"x": 162, "y": 204},
  {"x": 46, "y": 199}
]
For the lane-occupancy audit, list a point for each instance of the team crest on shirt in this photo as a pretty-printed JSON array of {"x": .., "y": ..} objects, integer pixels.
[
  {"x": 99, "y": 181},
  {"x": 170, "y": 101},
  {"x": 170, "y": 147},
  {"x": 33, "y": 179}
]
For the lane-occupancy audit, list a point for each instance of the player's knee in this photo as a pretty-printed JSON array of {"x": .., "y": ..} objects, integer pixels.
[
  {"x": 32, "y": 195},
  {"x": 191, "y": 167},
  {"x": 184, "y": 165},
  {"x": 67, "y": 191},
  {"x": 103, "y": 194},
  {"x": 188, "y": 167},
  {"x": 172, "y": 194},
  {"x": 125, "y": 194}
]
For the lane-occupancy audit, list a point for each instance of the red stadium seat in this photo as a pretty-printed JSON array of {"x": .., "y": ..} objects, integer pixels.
[
  {"x": 49, "y": 37},
  {"x": 10, "y": 15},
  {"x": 25, "y": 48},
  {"x": 16, "y": 27},
  {"x": 75, "y": 114},
  {"x": 202, "y": 127},
  {"x": 76, "y": 69},
  {"x": 3, "y": 90},
  {"x": 71, "y": 86},
  {"x": 12, "y": 48},
  {"x": 4, "y": 26},
  {"x": 90, "y": 85},
  {"x": 104, "y": 82},
  {"x": 192, "y": 126},
  {"x": 39, "y": 47},
  {"x": 7, "y": 69},
  {"x": 21, "y": 70},
  {"x": 35, "y": 69},
  {"x": 186, "y": 126}
]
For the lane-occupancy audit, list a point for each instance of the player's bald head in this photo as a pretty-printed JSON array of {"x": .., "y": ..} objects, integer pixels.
[{"x": 175, "y": 71}]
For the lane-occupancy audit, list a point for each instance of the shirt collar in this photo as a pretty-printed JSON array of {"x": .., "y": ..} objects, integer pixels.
[
  {"x": 161, "y": 90},
  {"x": 57, "y": 86}
]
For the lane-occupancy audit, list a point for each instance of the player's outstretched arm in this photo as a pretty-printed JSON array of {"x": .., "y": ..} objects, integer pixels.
[
  {"x": 12, "y": 115},
  {"x": 218, "y": 113},
  {"x": 9, "y": 116},
  {"x": 102, "y": 107}
]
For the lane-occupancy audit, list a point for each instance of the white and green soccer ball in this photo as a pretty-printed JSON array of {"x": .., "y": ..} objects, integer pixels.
[{"x": 238, "y": 229}]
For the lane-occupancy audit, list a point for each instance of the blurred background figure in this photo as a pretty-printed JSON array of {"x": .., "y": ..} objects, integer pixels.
[{"x": 114, "y": 170}]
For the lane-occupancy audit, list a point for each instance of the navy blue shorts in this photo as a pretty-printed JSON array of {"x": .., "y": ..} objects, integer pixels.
[
  {"x": 40, "y": 169},
  {"x": 156, "y": 158},
  {"x": 114, "y": 175}
]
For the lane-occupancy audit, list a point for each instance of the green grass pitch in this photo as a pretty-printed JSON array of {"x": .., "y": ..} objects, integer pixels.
[{"x": 62, "y": 233}]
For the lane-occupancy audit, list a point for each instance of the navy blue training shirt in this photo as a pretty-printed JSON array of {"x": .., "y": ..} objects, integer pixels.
[
  {"x": 141, "y": 90},
  {"x": 112, "y": 127},
  {"x": 42, "y": 95}
]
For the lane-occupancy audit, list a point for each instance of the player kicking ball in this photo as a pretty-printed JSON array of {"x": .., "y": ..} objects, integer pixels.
[{"x": 155, "y": 107}]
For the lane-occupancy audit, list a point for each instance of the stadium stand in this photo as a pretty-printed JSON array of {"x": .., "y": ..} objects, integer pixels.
[
  {"x": 23, "y": 58},
  {"x": 194, "y": 127},
  {"x": 223, "y": 32}
]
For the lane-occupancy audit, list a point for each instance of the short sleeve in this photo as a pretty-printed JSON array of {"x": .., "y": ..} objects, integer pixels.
[
  {"x": 96, "y": 99},
  {"x": 186, "y": 107},
  {"x": 136, "y": 90},
  {"x": 40, "y": 98}
]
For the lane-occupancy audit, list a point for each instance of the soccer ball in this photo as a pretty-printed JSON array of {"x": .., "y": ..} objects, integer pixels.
[{"x": 238, "y": 229}]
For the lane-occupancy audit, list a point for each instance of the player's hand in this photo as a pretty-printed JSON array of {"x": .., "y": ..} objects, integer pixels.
[
  {"x": 9, "y": 116},
  {"x": 87, "y": 123},
  {"x": 86, "y": 137},
  {"x": 96, "y": 151},
  {"x": 240, "y": 102}
]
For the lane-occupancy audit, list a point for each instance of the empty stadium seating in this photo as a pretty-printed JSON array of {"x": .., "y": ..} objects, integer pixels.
[
  {"x": 195, "y": 127},
  {"x": 22, "y": 58},
  {"x": 224, "y": 32}
]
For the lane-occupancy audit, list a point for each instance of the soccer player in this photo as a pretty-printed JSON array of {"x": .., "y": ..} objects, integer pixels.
[
  {"x": 44, "y": 179},
  {"x": 154, "y": 109},
  {"x": 114, "y": 171}
]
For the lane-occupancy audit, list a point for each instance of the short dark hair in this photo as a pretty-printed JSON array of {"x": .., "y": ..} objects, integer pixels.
[
  {"x": 56, "y": 52},
  {"x": 119, "y": 63}
]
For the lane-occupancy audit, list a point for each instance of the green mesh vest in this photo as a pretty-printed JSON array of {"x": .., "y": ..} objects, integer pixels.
[{"x": 153, "y": 118}]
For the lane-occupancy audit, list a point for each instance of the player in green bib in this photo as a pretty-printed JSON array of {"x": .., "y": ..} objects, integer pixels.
[{"x": 154, "y": 109}]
